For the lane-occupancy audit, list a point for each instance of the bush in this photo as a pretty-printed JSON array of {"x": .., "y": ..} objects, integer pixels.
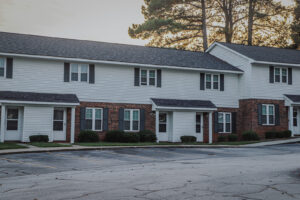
[
  {"x": 250, "y": 136},
  {"x": 232, "y": 137},
  {"x": 147, "y": 136},
  {"x": 188, "y": 139},
  {"x": 287, "y": 133},
  {"x": 39, "y": 138},
  {"x": 114, "y": 136},
  {"x": 88, "y": 136},
  {"x": 128, "y": 137},
  {"x": 221, "y": 138},
  {"x": 278, "y": 134},
  {"x": 270, "y": 134}
]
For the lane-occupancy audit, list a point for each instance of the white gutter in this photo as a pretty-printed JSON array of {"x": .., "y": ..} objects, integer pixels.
[
  {"x": 119, "y": 63},
  {"x": 38, "y": 103},
  {"x": 183, "y": 108},
  {"x": 275, "y": 63}
]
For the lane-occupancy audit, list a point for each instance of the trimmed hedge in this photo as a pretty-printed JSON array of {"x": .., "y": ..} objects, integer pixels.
[
  {"x": 278, "y": 134},
  {"x": 88, "y": 136},
  {"x": 221, "y": 138},
  {"x": 147, "y": 136},
  {"x": 39, "y": 138},
  {"x": 232, "y": 137},
  {"x": 250, "y": 136},
  {"x": 128, "y": 137},
  {"x": 114, "y": 136},
  {"x": 188, "y": 139}
]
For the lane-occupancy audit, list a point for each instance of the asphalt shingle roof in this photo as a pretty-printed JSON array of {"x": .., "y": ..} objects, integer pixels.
[
  {"x": 183, "y": 103},
  {"x": 266, "y": 54},
  {"x": 294, "y": 98},
  {"x": 38, "y": 97},
  {"x": 82, "y": 49}
]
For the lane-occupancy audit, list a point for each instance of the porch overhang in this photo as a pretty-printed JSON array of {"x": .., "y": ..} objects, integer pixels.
[
  {"x": 292, "y": 100},
  {"x": 182, "y": 105}
]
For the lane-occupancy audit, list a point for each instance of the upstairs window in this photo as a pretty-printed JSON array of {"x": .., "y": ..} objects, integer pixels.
[
  {"x": 148, "y": 77},
  {"x": 2, "y": 67},
  {"x": 93, "y": 119},
  {"x": 131, "y": 120},
  {"x": 79, "y": 72},
  {"x": 212, "y": 81},
  {"x": 281, "y": 75},
  {"x": 268, "y": 114}
]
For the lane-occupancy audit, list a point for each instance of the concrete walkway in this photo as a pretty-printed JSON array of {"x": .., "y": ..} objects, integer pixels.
[{"x": 34, "y": 149}]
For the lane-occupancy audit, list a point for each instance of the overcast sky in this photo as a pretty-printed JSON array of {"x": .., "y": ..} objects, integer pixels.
[{"x": 100, "y": 20}]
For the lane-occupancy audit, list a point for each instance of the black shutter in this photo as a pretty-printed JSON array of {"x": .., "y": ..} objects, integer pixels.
[
  {"x": 271, "y": 74},
  {"x": 216, "y": 122},
  {"x": 159, "y": 78},
  {"x": 136, "y": 76},
  {"x": 67, "y": 72},
  {"x": 82, "y": 118},
  {"x": 277, "y": 115},
  {"x": 233, "y": 122},
  {"x": 105, "y": 119},
  {"x": 9, "y": 68},
  {"x": 222, "y": 82},
  {"x": 290, "y": 76},
  {"x": 259, "y": 113},
  {"x": 121, "y": 119},
  {"x": 142, "y": 119},
  {"x": 202, "y": 75},
  {"x": 92, "y": 73}
]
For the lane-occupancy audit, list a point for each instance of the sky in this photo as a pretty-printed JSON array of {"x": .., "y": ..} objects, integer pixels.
[{"x": 99, "y": 20}]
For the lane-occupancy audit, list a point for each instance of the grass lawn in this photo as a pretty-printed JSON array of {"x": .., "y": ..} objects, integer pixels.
[
  {"x": 237, "y": 142},
  {"x": 49, "y": 144},
  {"x": 11, "y": 146}
]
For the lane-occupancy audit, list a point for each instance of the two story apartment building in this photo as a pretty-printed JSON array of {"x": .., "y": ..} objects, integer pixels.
[{"x": 58, "y": 87}]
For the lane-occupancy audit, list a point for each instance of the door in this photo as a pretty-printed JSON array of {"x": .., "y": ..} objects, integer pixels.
[
  {"x": 59, "y": 124},
  {"x": 13, "y": 124},
  {"x": 296, "y": 125},
  {"x": 199, "y": 127}
]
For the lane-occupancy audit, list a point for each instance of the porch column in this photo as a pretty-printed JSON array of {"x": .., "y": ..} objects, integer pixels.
[
  {"x": 3, "y": 119},
  {"x": 210, "y": 134},
  {"x": 157, "y": 125},
  {"x": 72, "y": 125},
  {"x": 291, "y": 110}
]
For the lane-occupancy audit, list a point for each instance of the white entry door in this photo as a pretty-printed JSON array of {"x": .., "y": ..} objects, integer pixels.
[
  {"x": 199, "y": 127},
  {"x": 59, "y": 124},
  {"x": 14, "y": 116},
  {"x": 296, "y": 125}
]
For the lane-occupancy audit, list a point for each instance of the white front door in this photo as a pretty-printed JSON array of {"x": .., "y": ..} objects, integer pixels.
[
  {"x": 296, "y": 125},
  {"x": 59, "y": 124},
  {"x": 14, "y": 116},
  {"x": 199, "y": 127}
]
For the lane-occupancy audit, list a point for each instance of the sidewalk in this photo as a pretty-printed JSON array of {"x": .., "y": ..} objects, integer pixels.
[{"x": 33, "y": 149}]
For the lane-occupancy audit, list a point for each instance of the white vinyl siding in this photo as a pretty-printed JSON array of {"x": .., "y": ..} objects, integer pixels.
[
  {"x": 131, "y": 120},
  {"x": 93, "y": 119},
  {"x": 148, "y": 77},
  {"x": 268, "y": 114},
  {"x": 2, "y": 67},
  {"x": 79, "y": 72}
]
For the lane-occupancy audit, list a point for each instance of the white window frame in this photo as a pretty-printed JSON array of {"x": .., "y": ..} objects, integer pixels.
[
  {"x": 4, "y": 73},
  {"x": 280, "y": 75},
  {"x": 17, "y": 120},
  {"x": 166, "y": 123},
  {"x": 212, "y": 81},
  {"x": 224, "y": 121},
  {"x": 268, "y": 114},
  {"x": 295, "y": 118},
  {"x": 79, "y": 72},
  {"x": 131, "y": 120},
  {"x": 94, "y": 118},
  {"x": 148, "y": 77},
  {"x": 200, "y": 123}
]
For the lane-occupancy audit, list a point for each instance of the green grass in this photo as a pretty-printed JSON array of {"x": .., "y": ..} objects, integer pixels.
[
  {"x": 237, "y": 143},
  {"x": 49, "y": 144},
  {"x": 4, "y": 146}
]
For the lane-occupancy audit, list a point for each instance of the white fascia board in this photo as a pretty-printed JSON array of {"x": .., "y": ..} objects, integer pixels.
[
  {"x": 275, "y": 63},
  {"x": 184, "y": 108},
  {"x": 231, "y": 50},
  {"x": 37, "y": 103},
  {"x": 120, "y": 63}
]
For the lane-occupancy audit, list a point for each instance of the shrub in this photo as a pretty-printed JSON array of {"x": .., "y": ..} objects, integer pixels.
[
  {"x": 130, "y": 137},
  {"x": 249, "y": 136},
  {"x": 147, "y": 136},
  {"x": 280, "y": 134},
  {"x": 39, "y": 138},
  {"x": 221, "y": 138},
  {"x": 114, "y": 136},
  {"x": 88, "y": 136},
  {"x": 188, "y": 139},
  {"x": 287, "y": 133},
  {"x": 270, "y": 134},
  {"x": 232, "y": 137}
]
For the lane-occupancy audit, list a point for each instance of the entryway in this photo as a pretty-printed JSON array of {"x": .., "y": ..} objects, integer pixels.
[
  {"x": 13, "y": 124},
  {"x": 296, "y": 118},
  {"x": 59, "y": 124}
]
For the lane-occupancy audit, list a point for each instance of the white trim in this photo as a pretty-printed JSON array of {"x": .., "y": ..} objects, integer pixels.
[
  {"x": 79, "y": 68},
  {"x": 166, "y": 123},
  {"x": 275, "y": 63},
  {"x": 94, "y": 118},
  {"x": 148, "y": 77},
  {"x": 38, "y": 103},
  {"x": 4, "y": 73},
  {"x": 224, "y": 121},
  {"x": 268, "y": 114},
  {"x": 120, "y": 63},
  {"x": 2, "y": 131},
  {"x": 72, "y": 125},
  {"x": 280, "y": 75},
  {"x": 212, "y": 81},
  {"x": 131, "y": 120},
  {"x": 201, "y": 122},
  {"x": 210, "y": 132},
  {"x": 183, "y": 108}
]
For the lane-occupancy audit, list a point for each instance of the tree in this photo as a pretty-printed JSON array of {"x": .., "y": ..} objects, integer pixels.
[{"x": 296, "y": 25}]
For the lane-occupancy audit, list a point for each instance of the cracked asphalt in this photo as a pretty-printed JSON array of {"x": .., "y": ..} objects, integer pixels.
[{"x": 162, "y": 173}]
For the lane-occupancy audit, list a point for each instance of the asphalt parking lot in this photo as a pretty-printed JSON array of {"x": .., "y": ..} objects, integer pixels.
[{"x": 162, "y": 173}]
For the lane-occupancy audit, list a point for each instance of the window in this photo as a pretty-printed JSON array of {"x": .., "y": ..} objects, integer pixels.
[
  {"x": 224, "y": 122},
  {"x": 162, "y": 122},
  {"x": 79, "y": 72},
  {"x": 212, "y": 81},
  {"x": 268, "y": 114},
  {"x": 12, "y": 119},
  {"x": 198, "y": 123},
  {"x": 93, "y": 119},
  {"x": 148, "y": 77},
  {"x": 281, "y": 75},
  {"x": 295, "y": 117},
  {"x": 2, "y": 67},
  {"x": 58, "y": 120},
  {"x": 131, "y": 120}
]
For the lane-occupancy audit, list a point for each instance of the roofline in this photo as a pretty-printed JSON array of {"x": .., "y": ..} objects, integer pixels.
[
  {"x": 229, "y": 49},
  {"x": 37, "y": 103},
  {"x": 275, "y": 63},
  {"x": 119, "y": 63},
  {"x": 183, "y": 108}
]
